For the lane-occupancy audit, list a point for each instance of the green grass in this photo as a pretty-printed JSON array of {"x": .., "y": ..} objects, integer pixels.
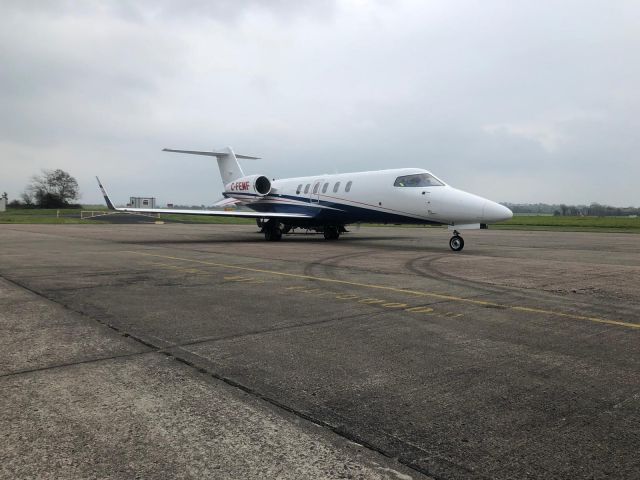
[
  {"x": 591, "y": 224},
  {"x": 41, "y": 215},
  {"x": 72, "y": 216}
]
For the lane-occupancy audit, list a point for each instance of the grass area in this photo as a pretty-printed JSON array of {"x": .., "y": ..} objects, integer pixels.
[
  {"x": 591, "y": 224},
  {"x": 72, "y": 216},
  {"x": 41, "y": 215},
  {"x": 518, "y": 222}
]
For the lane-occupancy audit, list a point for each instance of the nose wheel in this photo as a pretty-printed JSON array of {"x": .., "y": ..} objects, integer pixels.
[{"x": 456, "y": 242}]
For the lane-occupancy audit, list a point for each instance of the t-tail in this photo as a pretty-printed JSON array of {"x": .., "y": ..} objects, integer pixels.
[{"x": 230, "y": 169}]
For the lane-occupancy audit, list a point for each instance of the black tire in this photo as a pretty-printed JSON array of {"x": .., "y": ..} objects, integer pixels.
[
  {"x": 456, "y": 243},
  {"x": 272, "y": 234},
  {"x": 331, "y": 233}
]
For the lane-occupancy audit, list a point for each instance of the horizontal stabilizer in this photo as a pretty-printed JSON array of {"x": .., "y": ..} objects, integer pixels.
[{"x": 209, "y": 154}]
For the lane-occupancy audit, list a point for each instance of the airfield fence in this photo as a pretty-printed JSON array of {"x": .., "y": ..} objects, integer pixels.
[{"x": 88, "y": 214}]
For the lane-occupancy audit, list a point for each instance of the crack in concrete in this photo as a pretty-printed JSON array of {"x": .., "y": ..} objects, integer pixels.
[
  {"x": 229, "y": 381},
  {"x": 71, "y": 364}
]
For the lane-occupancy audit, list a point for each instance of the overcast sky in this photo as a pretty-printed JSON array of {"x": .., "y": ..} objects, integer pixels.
[{"x": 518, "y": 101}]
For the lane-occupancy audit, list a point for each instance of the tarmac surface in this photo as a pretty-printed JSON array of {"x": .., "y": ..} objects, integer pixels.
[{"x": 202, "y": 351}]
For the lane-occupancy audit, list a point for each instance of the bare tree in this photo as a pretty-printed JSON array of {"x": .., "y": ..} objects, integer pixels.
[{"x": 51, "y": 189}]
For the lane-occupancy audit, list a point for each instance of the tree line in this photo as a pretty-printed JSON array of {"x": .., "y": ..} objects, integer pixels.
[{"x": 592, "y": 210}]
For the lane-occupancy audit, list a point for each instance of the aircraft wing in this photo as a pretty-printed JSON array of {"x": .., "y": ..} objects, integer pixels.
[{"x": 216, "y": 213}]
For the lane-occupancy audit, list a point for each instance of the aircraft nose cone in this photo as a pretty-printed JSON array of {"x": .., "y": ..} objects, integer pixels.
[{"x": 494, "y": 212}]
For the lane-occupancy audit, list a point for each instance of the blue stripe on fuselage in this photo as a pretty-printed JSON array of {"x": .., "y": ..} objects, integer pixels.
[{"x": 336, "y": 213}]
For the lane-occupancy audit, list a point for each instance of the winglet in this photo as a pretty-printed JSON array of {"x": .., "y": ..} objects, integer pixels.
[{"x": 106, "y": 197}]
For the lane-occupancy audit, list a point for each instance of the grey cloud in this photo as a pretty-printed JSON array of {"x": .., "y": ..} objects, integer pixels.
[
  {"x": 143, "y": 11},
  {"x": 512, "y": 101}
]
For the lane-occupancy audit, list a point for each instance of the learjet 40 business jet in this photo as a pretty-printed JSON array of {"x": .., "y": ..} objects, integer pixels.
[{"x": 327, "y": 203}]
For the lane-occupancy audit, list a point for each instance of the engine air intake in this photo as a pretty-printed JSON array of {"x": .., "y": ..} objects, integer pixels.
[{"x": 262, "y": 185}]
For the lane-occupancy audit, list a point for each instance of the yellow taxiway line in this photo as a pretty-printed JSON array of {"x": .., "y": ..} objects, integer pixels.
[{"x": 399, "y": 290}]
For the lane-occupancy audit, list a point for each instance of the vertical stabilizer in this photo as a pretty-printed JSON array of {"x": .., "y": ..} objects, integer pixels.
[{"x": 227, "y": 162}]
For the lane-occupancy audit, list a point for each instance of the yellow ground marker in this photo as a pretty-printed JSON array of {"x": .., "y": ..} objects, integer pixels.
[{"x": 398, "y": 290}]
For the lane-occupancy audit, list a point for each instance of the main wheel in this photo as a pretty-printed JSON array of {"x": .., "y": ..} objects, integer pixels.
[
  {"x": 272, "y": 234},
  {"x": 331, "y": 233},
  {"x": 456, "y": 243}
]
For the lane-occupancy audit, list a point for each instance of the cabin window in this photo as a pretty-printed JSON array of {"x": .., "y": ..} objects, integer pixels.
[
  {"x": 306, "y": 189},
  {"x": 324, "y": 188},
  {"x": 348, "y": 187},
  {"x": 417, "y": 180},
  {"x": 336, "y": 187},
  {"x": 316, "y": 187},
  {"x": 299, "y": 189}
]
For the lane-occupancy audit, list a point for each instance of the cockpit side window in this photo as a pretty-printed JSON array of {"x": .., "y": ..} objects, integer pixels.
[
  {"x": 417, "y": 180},
  {"x": 299, "y": 189},
  {"x": 306, "y": 189}
]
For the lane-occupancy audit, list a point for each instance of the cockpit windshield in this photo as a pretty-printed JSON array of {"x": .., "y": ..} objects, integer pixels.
[{"x": 417, "y": 180}]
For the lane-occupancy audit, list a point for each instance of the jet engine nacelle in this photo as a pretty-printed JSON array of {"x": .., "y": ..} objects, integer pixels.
[{"x": 257, "y": 184}]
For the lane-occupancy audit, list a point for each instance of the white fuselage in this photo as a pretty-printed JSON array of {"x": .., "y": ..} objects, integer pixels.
[{"x": 373, "y": 196}]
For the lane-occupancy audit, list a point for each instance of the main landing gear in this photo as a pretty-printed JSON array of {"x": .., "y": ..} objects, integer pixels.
[
  {"x": 456, "y": 242},
  {"x": 272, "y": 231},
  {"x": 331, "y": 233}
]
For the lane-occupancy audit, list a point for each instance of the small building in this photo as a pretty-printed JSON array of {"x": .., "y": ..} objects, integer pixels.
[{"x": 142, "y": 202}]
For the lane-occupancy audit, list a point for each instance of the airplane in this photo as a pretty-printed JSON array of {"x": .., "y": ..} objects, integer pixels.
[{"x": 328, "y": 203}]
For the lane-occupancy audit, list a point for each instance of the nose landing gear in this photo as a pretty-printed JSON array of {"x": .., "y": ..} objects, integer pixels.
[{"x": 456, "y": 242}]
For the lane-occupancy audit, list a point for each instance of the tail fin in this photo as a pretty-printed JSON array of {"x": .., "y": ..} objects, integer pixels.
[{"x": 227, "y": 162}]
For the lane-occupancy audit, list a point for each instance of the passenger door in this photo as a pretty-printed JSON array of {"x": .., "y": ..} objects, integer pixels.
[{"x": 314, "y": 193}]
